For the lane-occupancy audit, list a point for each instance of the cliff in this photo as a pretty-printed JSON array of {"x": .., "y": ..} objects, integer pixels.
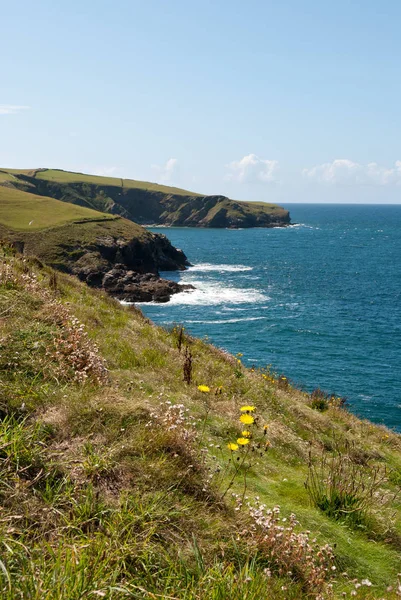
[
  {"x": 105, "y": 251},
  {"x": 148, "y": 203}
]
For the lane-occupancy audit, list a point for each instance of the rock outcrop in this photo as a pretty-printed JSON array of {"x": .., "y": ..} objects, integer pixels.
[
  {"x": 129, "y": 270},
  {"x": 107, "y": 252},
  {"x": 137, "y": 287}
]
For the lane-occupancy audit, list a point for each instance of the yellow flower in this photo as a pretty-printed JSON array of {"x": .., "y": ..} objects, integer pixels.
[
  {"x": 246, "y": 434},
  {"x": 242, "y": 441},
  {"x": 233, "y": 447},
  {"x": 203, "y": 388},
  {"x": 247, "y": 419},
  {"x": 247, "y": 408}
]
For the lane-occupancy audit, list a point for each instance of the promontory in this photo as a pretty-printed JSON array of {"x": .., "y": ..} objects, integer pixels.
[{"x": 90, "y": 226}]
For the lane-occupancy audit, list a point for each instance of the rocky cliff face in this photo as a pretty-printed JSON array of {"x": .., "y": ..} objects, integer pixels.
[
  {"x": 157, "y": 205},
  {"x": 115, "y": 255},
  {"x": 129, "y": 270}
]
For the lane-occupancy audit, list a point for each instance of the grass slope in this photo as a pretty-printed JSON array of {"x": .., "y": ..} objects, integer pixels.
[
  {"x": 146, "y": 202},
  {"x": 59, "y": 233},
  {"x": 23, "y": 211},
  {"x": 68, "y": 177},
  {"x": 60, "y": 176},
  {"x": 116, "y": 483}
]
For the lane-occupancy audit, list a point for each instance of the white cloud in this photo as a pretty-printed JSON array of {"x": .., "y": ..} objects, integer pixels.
[
  {"x": 251, "y": 168},
  {"x": 343, "y": 171},
  {"x": 166, "y": 172},
  {"x": 11, "y": 109},
  {"x": 104, "y": 171}
]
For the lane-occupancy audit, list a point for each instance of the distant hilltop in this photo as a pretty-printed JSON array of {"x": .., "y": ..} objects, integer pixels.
[{"x": 144, "y": 202}]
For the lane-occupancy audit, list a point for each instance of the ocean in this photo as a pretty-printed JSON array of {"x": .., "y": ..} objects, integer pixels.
[{"x": 319, "y": 302}]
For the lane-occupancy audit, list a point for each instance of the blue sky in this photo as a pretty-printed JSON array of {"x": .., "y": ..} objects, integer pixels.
[{"x": 291, "y": 101}]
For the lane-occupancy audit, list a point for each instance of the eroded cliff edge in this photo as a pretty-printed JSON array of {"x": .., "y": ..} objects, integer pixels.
[
  {"x": 149, "y": 203},
  {"x": 105, "y": 251}
]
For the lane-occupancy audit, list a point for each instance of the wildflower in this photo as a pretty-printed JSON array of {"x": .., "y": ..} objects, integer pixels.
[
  {"x": 246, "y": 434},
  {"x": 233, "y": 447},
  {"x": 247, "y": 419},
  {"x": 242, "y": 441},
  {"x": 247, "y": 408},
  {"x": 204, "y": 388}
]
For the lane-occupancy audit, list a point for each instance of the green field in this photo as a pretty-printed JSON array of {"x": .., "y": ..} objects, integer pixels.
[
  {"x": 27, "y": 212},
  {"x": 70, "y": 177}
]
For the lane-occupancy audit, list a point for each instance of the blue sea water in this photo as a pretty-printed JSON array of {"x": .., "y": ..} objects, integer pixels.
[{"x": 319, "y": 301}]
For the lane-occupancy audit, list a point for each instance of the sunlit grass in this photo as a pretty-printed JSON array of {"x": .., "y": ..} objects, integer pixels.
[{"x": 117, "y": 489}]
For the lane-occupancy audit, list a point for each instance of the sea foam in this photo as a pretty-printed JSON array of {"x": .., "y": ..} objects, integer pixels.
[
  {"x": 214, "y": 294},
  {"x": 220, "y": 268},
  {"x": 223, "y": 321}
]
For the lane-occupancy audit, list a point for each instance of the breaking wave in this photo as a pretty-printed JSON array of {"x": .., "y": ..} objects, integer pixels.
[{"x": 220, "y": 268}]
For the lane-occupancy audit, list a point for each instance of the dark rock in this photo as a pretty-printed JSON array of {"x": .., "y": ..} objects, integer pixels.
[
  {"x": 134, "y": 287},
  {"x": 129, "y": 270}
]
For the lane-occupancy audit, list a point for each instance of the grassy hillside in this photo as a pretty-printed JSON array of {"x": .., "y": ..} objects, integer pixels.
[
  {"x": 23, "y": 211},
  {"x": 68, "y": 177},
  {"x": 79, "y": 240},
  {"x": 146, "y": 202},
  {"x": 117, "y": 476},
  {"x": 58, "y": 232}
]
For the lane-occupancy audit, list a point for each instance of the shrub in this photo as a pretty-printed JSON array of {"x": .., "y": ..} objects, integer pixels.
[{"x": 322, "y": 400}]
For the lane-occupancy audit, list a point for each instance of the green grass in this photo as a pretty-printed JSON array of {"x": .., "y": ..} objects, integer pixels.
[
  {"x": 59, "y": 233},
  {"x": 148, "y": 202},
  {"x": 96, "y": 502},
  {"x": 25, "y": 212},
  {"x": 69, "y": 177},
  {"x": 6, "y": 177}
]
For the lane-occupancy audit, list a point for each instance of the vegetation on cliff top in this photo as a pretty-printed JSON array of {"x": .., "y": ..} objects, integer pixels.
[
  {"x": 145, "y": 202},
  {"x": 77, "y": 239},
  {"x": 116, "y": 475}
]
